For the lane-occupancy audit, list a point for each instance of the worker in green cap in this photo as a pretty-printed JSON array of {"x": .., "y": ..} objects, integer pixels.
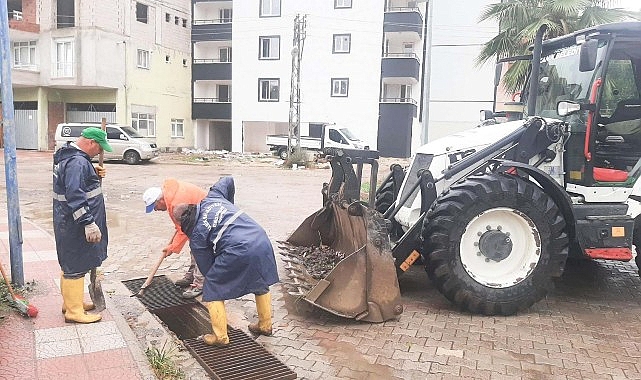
[{"x": 79, "y": 218}]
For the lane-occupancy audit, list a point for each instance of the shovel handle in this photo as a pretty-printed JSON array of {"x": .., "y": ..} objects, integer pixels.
[
  {"x": 103, "y": 126},
  {"x": 153, "y": 272}
]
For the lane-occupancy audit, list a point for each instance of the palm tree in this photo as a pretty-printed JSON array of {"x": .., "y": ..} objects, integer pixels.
[{"x": 519, "y": 21}]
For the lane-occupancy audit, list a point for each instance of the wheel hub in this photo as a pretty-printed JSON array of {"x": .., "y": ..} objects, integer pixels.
[{"x": 495, "y": 245}]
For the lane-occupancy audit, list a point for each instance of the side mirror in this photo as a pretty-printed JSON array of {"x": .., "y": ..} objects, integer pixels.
[
  {"x": 565, "y": 108},
  {"x": 486, "y": 115},
  {"x": 587, "y": 57},
  {"x": 497, "y": 74}
]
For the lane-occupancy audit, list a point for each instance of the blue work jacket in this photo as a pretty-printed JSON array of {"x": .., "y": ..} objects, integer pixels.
[
  {"x": 77, "y": 201},
  {"x": 232, "y": 251}
]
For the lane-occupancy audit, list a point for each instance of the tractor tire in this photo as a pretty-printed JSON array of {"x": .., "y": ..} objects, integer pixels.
[
  {"x": 636, "y": 240},
  {"x": 493, "y": 242}
]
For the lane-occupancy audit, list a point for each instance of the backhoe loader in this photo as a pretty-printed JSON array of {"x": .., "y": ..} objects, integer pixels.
[{"x": 494, "y": 212}]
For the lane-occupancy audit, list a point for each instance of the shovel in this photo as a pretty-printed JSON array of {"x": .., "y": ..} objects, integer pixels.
[
  {"x": 95, "y": 287},
  {"x": 95, "y": 291}
]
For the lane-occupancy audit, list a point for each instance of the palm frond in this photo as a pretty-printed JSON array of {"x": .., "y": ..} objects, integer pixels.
[
  {"x": 515, "y": 76},
  {"x": 567, "y": 7},
  {"x": 597, "y": 15}
]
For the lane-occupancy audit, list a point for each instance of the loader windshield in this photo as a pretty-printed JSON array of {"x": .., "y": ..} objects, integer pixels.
[{"x": 560, "y": 79}]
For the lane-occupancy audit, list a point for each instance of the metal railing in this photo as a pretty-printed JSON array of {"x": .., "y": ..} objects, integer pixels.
[
  {"x": 400, "y": 55},
  {"x": 403, "y": 9},
  {"x": 224, "y": 20},
  {"x": 212, "y": 100},
  {"x": 210, "y": 60},
  {"x": 398, "y": 100}
]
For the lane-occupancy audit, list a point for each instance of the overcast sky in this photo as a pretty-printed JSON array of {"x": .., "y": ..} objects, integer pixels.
[{"x": 634, "y": 5}]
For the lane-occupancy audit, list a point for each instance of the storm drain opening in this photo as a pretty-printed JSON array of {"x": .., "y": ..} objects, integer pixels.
[{"x": 242, "y": 359}]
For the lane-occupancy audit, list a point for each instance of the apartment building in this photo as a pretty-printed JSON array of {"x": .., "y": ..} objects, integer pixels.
[
  {"x": 242, "y": 97},
  {"x": 127, "y": 61},
  {"x": 363, "y": 66}
]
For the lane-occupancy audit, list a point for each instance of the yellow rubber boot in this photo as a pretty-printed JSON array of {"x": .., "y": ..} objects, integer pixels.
[
  {"x": 72, "y": 295},
  {"x": 85, "y": 305},
  {"x": 218, "y": 324},
  {"x": 264, "y": 308}
]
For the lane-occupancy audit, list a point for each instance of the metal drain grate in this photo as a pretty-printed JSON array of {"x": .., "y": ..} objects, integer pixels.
[
  {"x": 242, "y": 359},
  {"x": 161, "y": 293}
]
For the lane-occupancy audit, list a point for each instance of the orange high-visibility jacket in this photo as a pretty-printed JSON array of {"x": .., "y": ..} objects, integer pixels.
[{"x": 176, "y": 192}]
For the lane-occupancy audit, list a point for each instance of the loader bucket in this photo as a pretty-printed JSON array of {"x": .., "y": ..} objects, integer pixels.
[{"x": 363, "y": 284}]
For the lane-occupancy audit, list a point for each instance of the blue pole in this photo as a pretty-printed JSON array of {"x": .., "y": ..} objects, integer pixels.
[{"x": 10, "y": 168}]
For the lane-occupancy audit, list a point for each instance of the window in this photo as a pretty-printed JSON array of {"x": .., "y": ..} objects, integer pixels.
[
  {"x": 65, "y": 14},
  {"x": 144, "y": 123},
  {"x": 223, "y": 93},
  {"x": 167, "y": 17},
  {"x": 143, "y": 59},
  {"x": 269, "y": 47},
  {"x": 184, "y": 23},
  {"x": 167, "y": 59},
  {"x": 184, "y": 62},
  {"x": 224, "y": 16},
  {"x": 24, "y": 54},
  {"x": 406, "y": 93},
  {"x": 177, "y": 20},
  {"x": 177, "y": 128},
  {"x": 142, "y": 11},
  {"x": 63, "y": 60},
  {"x": 342, "y": 4},
  {"x": 340, "y": 86},
  {"x": 342, "y": 43},
  {"x": 225, "y": 54},
  {"x": 269, "y": 8},
  {"x": 269, "y": 90},
  {"x": 113, "y": 133}
]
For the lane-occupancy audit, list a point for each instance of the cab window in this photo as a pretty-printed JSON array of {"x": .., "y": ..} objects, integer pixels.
[{"x": 335, "y": 136}]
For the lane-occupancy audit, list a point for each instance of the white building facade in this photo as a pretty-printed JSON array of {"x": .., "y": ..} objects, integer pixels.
[{"x": 362, "y": 67}]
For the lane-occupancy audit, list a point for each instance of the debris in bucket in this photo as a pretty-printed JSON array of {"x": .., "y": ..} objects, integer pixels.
[{"x": 318, "y": 261}]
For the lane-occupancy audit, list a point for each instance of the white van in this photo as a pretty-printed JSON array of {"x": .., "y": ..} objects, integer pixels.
[{"x": 125, "y": 141}]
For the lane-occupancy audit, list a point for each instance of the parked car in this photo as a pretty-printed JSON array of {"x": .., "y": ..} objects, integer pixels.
[{"x": 127, "y": 143}]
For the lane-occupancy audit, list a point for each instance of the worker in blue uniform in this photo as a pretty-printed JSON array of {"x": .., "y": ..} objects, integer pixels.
[
  {"x": 79, "y": 218},
  {"x": 234, "y": 254}
]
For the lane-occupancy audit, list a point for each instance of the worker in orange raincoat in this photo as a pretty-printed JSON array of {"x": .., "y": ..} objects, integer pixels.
[{"x": 172, "y": 193}]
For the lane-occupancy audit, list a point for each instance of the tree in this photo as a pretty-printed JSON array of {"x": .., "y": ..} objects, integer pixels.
[{"x": 519, "y": 21}]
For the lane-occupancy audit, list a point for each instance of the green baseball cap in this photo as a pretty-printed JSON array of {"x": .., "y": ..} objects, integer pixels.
[{"x": 97, "y": 135}]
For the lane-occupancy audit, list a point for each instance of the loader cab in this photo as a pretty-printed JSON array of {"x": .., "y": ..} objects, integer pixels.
[{"x": 592, "y": 80}]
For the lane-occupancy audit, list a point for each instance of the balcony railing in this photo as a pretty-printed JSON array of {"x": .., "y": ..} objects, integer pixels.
[
  {"x": 398, "y": 100},
  {"x": 400, "y": 55},
  {"x": 212, "y": 100},
  {"x": 210, "y": 60},
  {"x": 224, "y": 20},
  {"x": 403, "y": 9}
]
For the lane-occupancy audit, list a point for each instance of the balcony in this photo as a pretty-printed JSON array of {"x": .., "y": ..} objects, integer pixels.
[
  {"x": 210, "y": 69},
  {"x": 208, "y": 30},
  {"x": 210, "y": 108},
  {"x": 401, "y": 65},
  {"x": 403, "y": 19}
]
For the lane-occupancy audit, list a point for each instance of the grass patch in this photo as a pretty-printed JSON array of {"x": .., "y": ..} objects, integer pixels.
[{"x": 161, "y": 361}]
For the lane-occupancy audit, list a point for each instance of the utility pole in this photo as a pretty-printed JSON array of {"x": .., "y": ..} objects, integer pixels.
[
  {"x": 300, "y": 24},
  {"x": 10, "y": 168}
]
